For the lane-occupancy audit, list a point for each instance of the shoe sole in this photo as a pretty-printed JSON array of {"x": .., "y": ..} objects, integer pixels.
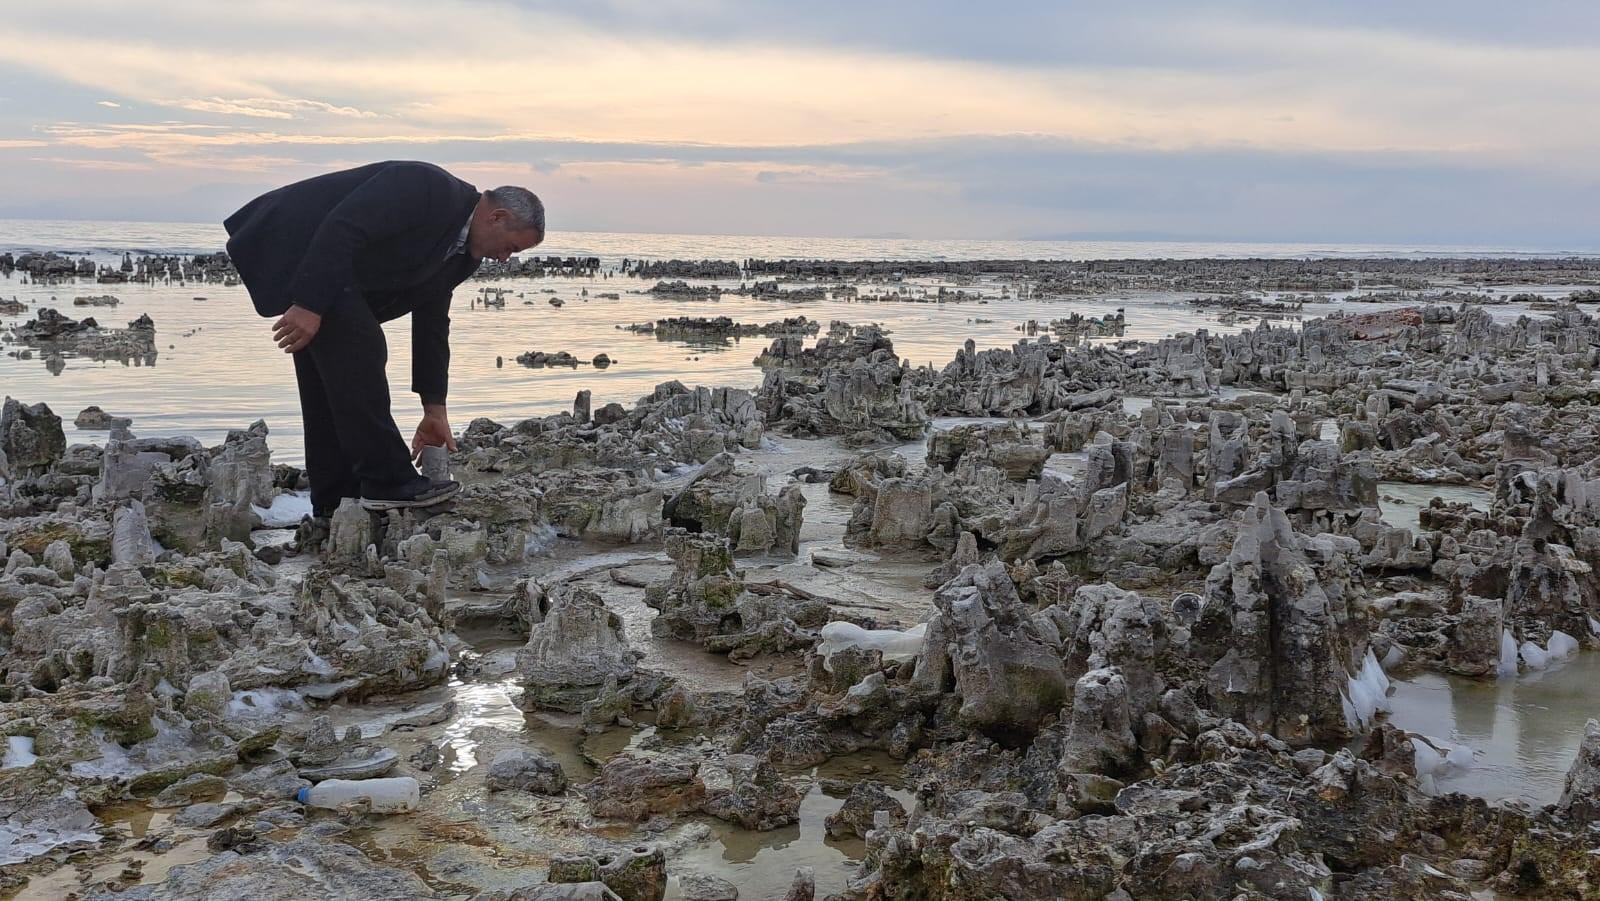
[{"x": 380, "y": 506}]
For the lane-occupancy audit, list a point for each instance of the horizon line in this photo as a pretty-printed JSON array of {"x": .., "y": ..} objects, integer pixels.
[{"x": 1416, "y": 246}]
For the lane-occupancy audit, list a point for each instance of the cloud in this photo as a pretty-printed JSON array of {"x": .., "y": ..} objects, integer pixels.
[
  {"x": 108, "y": 104},
  {"x": 1188, "y": 80},
  {"x": 1132, "y": 35},
  {"x": 102, "y": 165},
  {"x": 1235, "y": 117},
  {"x": 265, "y": 107}
]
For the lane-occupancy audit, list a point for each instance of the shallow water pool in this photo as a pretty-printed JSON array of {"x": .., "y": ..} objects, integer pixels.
[{"x": 1524, "y": 731}]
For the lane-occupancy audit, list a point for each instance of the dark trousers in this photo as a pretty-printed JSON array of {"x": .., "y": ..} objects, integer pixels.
[{"x": 352, "y": 445}]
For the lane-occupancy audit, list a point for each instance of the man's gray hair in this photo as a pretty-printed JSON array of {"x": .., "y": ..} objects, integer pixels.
[{"x": 523, "y": 205}]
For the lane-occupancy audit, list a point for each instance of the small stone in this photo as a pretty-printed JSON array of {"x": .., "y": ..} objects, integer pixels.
[
  {"x": 705, "y": 887},
  {"x": 519, "y": 769},
  {"x": 427, "y": 757},
  {"x": 1469, "y": 868},
  {"x": 209, "y": 693},
  {"x": 804, "y": 887},
  {"x": 206, "y": 815},
  {"x": 189, "y": 789}
]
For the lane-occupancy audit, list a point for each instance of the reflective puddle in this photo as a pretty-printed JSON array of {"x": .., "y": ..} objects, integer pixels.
[
  {"x": 1523, "y": 732},
  {"x": 1400, "y": 503}
]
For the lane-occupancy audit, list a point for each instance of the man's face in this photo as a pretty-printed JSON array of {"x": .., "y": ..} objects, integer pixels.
[{"x": 497, "y": 236}]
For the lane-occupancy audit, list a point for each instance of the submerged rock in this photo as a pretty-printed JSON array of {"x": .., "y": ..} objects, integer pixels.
[
  {"x": 521, "y": 769},
  {"x": 37, "y": 818},
  {"x": 749, "y": 791},
  {"x": 304, "y": 867},
  {"x": 92, "y": 417},
  {"x": 860, "y": 813}
]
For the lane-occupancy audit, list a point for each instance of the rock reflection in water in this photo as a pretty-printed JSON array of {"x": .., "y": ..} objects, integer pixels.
[
  {"x": 762, "y": 864},
  {"x": 1401, "y": 502},
  {"x": 1524, "y": 731}
]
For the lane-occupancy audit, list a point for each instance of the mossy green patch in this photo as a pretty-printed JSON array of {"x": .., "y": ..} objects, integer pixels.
[
  {"x": 176, "y": 576},
  {"x": 34, "y": 539}
]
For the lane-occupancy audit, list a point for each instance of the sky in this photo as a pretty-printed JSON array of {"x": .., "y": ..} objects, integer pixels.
[{"x": 1427, "y": 122}]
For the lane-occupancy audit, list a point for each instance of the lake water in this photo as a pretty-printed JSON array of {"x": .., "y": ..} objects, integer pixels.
[
  {"x": 69, "y": 235},
  {"x": 1401, "y": 503},
  {"x": 218, "y": 369},
  {"x": 1523, "y": 731}
]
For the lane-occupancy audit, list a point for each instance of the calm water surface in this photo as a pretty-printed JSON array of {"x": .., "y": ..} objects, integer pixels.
[
  {"x": 80, "y": 235},
  {"x": 1401, "y": 503},
  {"x": 1524, "y": 731},
  {"x": 217, "y": 367}
]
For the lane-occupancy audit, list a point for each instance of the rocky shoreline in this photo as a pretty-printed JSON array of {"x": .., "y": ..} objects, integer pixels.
[{"x": 1058, "y": 620}]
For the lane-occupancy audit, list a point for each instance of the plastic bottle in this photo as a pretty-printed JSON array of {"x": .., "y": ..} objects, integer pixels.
[{"x": 394, "y": 795}]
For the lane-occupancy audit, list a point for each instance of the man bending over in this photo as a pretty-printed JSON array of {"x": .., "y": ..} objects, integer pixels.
[{"x": 335, "y": 255}]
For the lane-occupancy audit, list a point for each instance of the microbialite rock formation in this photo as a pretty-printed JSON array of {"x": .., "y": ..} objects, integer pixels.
[{"x": 1126, "y": 630}]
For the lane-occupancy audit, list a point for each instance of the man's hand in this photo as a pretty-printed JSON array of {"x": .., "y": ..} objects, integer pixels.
[
  {"x": 295, "y": 329},
  {"x": 434, "y": 430}
]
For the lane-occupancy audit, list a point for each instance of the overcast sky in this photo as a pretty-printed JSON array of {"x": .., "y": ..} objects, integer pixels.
[{"x": 1429, "y": 122}]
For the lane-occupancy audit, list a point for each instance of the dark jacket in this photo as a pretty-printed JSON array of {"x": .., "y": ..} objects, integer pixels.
[{"x": 376, "y": 234}]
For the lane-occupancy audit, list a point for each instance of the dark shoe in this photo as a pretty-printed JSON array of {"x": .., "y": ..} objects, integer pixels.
[{"x": 413, "y": 496}]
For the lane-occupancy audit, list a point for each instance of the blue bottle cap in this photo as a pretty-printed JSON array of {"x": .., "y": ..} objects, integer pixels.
[{"x": 302, "y": 794}]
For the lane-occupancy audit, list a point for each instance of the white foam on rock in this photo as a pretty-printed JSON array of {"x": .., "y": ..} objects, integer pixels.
[
  {"x": 317, "y": 666},
  {"x": 1433, "y": 757},
  {"x": 1561, "y": 645},
  {"x": 286, "y": 510},
  {"x": 1533, "y": 655},
  {"x": 1367, "y": 693},
  {"x": 29, "y": 834},
  {"x": 1508, "y": 654},
  {"x": 438, "y": 658},
  {"x": 112, "y": 762},
  {"x": 893, "y": 643},
  {"x": 540, "y": 539},
  {"x": 263, "y": 702},
  {"x": 19, "y": 752}
]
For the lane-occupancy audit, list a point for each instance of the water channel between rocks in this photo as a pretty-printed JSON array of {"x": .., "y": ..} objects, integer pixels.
[
  {"x": 1523, "y": 731},
  {"x": 1401, "y": 503}
]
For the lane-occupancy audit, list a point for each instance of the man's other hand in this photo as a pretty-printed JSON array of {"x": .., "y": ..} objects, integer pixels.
[
  {"x": 433, "y": 431},
  {"x": 295, "y": 329}
]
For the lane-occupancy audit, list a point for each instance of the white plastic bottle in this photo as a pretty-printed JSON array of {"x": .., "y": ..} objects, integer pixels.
[{"x": 398, "y": 794}]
